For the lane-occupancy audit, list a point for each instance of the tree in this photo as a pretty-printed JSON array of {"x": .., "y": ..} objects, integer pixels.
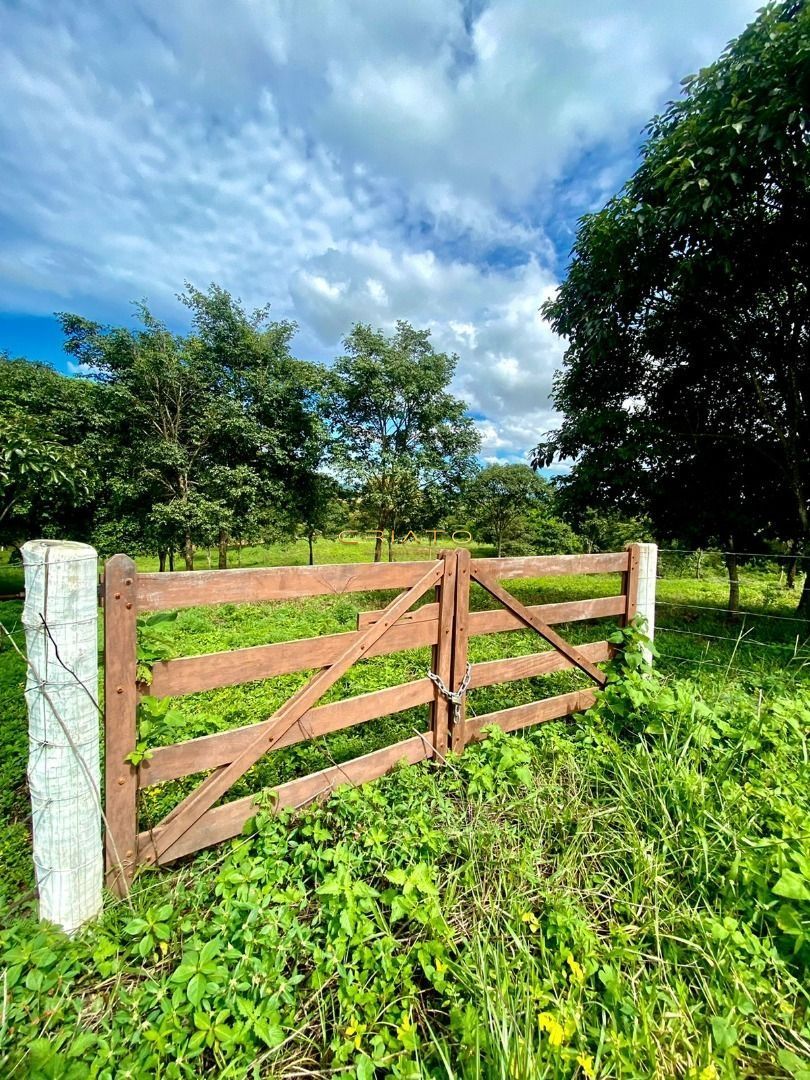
[
  {"x": 685, "y": 388},
  {"x": 318, "y": 508},
  {"x": 609, "y": 532},
  {"x": 53, "y": 452},
  {"x": 268, "y": 452},
  {"x": 395, "y": 429},
  {"x": 552, "y": 536},
  {"x": 500, "y": 499},
  {"x": 214, "y": 427}
]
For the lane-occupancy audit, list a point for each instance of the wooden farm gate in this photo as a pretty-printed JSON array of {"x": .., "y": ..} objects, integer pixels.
[{"x": 446, "y": 624}]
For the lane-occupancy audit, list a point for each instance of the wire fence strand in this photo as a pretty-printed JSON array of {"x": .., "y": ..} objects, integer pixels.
[
  {"x": 725, "y": 611},
  {"x": 741, "y": 640}
]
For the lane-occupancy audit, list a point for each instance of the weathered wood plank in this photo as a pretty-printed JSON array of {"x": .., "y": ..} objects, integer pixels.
[
  {"x": 497, "y": 621},
  {"x": 120, "y": 731},
  {"x": 189, "y": 674},
  {"x": 220, "y": 748},
  {"x": 534, "y": 712},
  {"x": 631, "y": 583},
  {"x": 500, "y": 619},
  {"x": 159, "y": 592},
  {"x": 545, "y": 631},
  {"x": 538, "y": 566},
  {"x": 425, "y": 613},
  {"x": 461, "y": 633},
  {"x": 223, "y": 822},
  {"x": 527, "y": 667},
  {"x": 442, "y": 659},
  {"x": 211, "y": 789}
]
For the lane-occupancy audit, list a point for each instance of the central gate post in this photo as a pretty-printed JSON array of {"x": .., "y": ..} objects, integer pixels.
[
  {"x": 460, "y": 638},
  {"x": 442, "y": 663}
]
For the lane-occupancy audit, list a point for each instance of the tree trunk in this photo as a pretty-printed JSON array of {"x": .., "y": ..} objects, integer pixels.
[
  {"x": 790, "y": 566},
  {"x": 804, "y": 600},
  {"x": 162, "y": 561},
  {"x": 790, "y": 577},
  {"x": 171, "y": 558},
  {"x": 393, "y": 525},
  {"x": 378, "y": 538},
  {"x": 311, "y": 551},
  {"x": 733, "y": 584},
  {"x": 223, "y": 550},
  {"x": 188, "y": 552}
]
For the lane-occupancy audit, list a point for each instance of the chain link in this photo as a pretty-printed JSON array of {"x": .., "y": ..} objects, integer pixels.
[{"x": 455, "y": 697}]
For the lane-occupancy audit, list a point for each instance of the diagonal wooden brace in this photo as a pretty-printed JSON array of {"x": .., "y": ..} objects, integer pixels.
[
  {"x": 534, "y": 623},
  {"x": 210, "y": 790}
]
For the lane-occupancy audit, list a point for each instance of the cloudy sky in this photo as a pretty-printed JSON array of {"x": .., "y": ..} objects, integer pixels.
[{"x": 342, "y": 159}]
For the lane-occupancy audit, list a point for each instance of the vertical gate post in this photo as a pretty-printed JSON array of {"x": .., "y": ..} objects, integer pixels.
[
  {"x": 120, "y": 725},
  {"x": 460, "y": 638},
  {"x": 640, "y": 587},
  {"x": 443, "y": 650},
  {"x": 60, "y": 617},
  {"x": 645, "y": 589}
]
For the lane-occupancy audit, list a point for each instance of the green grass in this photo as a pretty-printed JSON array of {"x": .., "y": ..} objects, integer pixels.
[{"x": 425, "y": 922}]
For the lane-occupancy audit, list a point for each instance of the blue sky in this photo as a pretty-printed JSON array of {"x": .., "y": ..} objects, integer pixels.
[{"x": 342, "y": 161}]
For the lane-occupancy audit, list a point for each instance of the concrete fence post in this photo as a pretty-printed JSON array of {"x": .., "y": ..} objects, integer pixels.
[
  {"x": 60, "y": 618},
  {"x": 645, "y": 604}
]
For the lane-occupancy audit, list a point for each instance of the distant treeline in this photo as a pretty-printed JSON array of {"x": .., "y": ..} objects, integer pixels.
[{"x": 221, "y": 437}]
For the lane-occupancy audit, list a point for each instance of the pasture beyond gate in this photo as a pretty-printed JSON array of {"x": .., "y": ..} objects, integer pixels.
[{"x": 445, "y": 623}]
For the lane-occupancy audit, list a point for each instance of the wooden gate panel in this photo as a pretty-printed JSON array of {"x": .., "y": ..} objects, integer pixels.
[
  {"x": 223, "y": 822},
  {"x": 446, "y": 624},
  {"x": 212, "y": 789}
]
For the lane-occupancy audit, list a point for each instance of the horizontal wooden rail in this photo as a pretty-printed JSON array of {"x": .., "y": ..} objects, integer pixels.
[
  {"x": 226, "y": 821},
  {"x": 189, "y": 674},
  {"x": 538, "y": 566},
  {"x": 527, "y": 667},
  {"x": 211, "y": 751},
  {"x": 214, "y": 670},
  {"x": 498, "y": 619},
  {"x": 160, "y": 592},
  {"x": 534, "y": 712},
  {"x": 421, "y": 614}
]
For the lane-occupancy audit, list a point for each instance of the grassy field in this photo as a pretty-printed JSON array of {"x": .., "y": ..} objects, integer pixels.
[{"x": 622, "y": 895}]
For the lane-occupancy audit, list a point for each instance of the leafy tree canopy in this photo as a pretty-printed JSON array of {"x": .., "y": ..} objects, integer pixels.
[
  {"x": 396, "y": 430},
  {"x": 500, "y": 498},
  {"x": 686, "y": 383}
]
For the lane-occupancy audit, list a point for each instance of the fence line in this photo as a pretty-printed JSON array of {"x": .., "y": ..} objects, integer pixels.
[
  {"x": 719, "y": 551},
  {"x": 723, "y": 610},
  {"x": 741, "y": 639}
]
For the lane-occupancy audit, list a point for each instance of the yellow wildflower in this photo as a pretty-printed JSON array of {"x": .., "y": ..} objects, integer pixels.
[
  {"x": 530, "y": 918},
  {"x": 585, "y": 1062},
  {"x": 577, "y": 972},
  {"x": 354, "y": 1032},
  {"x": 553, "y": 1027},
  {"x": 709, "y": 1073}
]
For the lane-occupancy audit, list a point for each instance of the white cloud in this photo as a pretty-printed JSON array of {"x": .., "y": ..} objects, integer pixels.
[{"x": 343, "y": 160}]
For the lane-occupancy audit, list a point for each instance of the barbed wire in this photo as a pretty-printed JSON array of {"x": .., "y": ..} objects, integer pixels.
[
  {"x": 700, "y": 661},
  {"x": 740, "y": 640},
  {"x": 725, "y": 611},
  {"x": 720, "y": 551}
]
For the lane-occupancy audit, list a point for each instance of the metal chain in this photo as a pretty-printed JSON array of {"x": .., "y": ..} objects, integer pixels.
[{"x": 455, "y": 697}]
